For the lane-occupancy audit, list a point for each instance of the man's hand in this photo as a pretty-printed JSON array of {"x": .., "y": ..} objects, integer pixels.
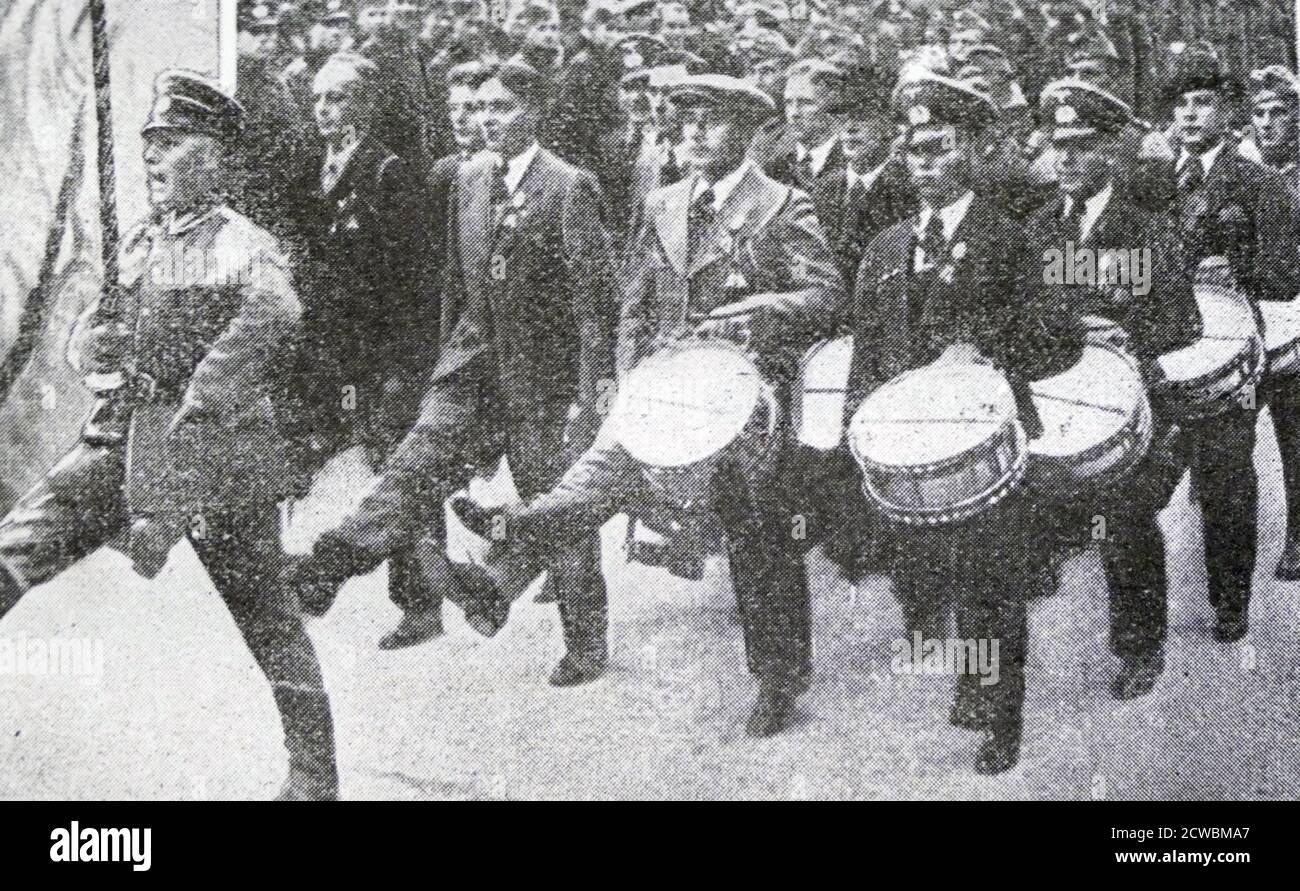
[{"x": 106, "y": 347}]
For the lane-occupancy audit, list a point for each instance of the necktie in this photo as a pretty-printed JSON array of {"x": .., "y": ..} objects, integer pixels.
[
  {"x": 669, "y": 173},
  {"x": 1191, "y": 176},
  {"x": 1072, "y": 220},
  {"x": 500, "y": 192},
  {"x": 804, "y": 169},
  {"x": 699, "y": 221},
  {"x": 931, "y": 242}
]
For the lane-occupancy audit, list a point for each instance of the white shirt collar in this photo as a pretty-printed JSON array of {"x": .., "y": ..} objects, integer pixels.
[
  {"x": 517, "y": 167},
  {"x": 950, "y": 216},
  {"x": 723, "y": 188},
  {"x": 1092, "y": 209},
  {"x": 817, "y": 157},
  {"x": 1207, "y": 158},
  {"x": 867, "y": 179},
  {"x": 336, "y": 160}
]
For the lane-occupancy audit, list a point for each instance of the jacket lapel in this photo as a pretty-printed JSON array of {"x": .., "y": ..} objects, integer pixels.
[
  {"x": 747, "y": 208},
  {"x": 671, "y": 220}
]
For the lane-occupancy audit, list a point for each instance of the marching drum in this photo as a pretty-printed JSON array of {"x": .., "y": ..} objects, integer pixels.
[
  {"x": 1281, "y": 335},
  {"x": 818, "y": 411},
  {"x": 685, "y": 407},
  {"x": 940, "y": 444},
  {"x": 1202, "y": 378},
  {"x": 1096, "y": 421}
]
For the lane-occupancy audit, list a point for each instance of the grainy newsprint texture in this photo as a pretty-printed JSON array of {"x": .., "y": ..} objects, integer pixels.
[{"x": 531, "y": 399}]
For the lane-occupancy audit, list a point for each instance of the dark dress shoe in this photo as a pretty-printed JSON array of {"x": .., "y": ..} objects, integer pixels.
[
  {"x": 574, "y": 670},
  {"x": 414, "y": 629},
  {"x": 771, "y": 713},
  {"x": 486, "y": 611},
  {"x": 1137, "y": 677},
  {"x": 998, "y": 753},
  {"x": 1288, "y": 567},
  {"x": 1231, "y": 628},
  {"x": 482, "y": 521}
]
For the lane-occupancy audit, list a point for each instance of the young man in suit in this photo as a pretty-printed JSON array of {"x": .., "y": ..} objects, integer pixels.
[
  {"x": 1228, "y": 206},
  {"x": 211, "y": 311},
  {"x": 366, "y": 270},
  {"x": 809, "y": 146},
  {"x": 530, "y": 299},
  {"x": 959, "y": 280},
  {"x": 1093, "y": 211},
  {"x": 678, "y": 271},
  {"x": 871, "y": 191}
]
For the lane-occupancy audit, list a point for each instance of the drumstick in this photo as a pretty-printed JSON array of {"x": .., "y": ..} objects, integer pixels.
[{"x": 1106, "y": 408}]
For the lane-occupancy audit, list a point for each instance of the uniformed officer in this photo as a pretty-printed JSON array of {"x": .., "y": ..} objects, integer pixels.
[
  {"x": 961, "y": 279},
  {"x": 1092, "y": 211},
  {"x": 678, "y": 269},
  {"x": 1274, "y": 104},
  {"x": 209, "y": 312},
  {"x": 1228, "y": 207}
]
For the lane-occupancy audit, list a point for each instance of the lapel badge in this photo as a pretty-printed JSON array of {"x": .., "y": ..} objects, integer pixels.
[{"x": 918, "y": 115}]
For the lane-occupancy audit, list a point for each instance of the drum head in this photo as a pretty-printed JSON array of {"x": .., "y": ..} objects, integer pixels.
[
  {"x": 685, "y": 404},
  {"x": 932, "y": 414},
  {"x": 1229, "y": 328},
  {"x": 823, "y": 383},
  {"x": 1281, "y": 323},
  {"x": 1088, "y": 404}
]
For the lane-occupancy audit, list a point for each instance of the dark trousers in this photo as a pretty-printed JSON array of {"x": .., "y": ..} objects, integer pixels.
[
  {"x": 1220, "y": 452},
  {"x": 1283, "y": 398},
  {"x": 753, "y": 503},
  {"x": 464, "y": 425},
  {"x": 984, "y": 571},
  {"x": 1133, "y": 551},
  {"x": 79, "y": 507}
]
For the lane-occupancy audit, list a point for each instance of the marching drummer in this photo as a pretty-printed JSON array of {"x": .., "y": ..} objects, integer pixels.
[
  {"x": 727, "y": 251},
  {"x": 1230, "y": 207},
  {"x": 1155, "y": 315},
  {"x": 1275, "y": 101},
  {"x": 959, "y": 281}
]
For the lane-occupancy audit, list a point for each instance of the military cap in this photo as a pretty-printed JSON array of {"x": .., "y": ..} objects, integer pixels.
[
  {"x": 1078, "y": 108},
  {"x": 1273, "y": 83},
  {"x": 928, "y": 100},
  {"x": 640, "y": 50},
  {"x": 721, "y": 90},
  {"x": 259, "y": 17},
  {"x": 1088, "y": 44},
  {"x": 1197, "y": 67},
  {"x": 185, "y": 100},
  {"x": 334, "y": 11}
]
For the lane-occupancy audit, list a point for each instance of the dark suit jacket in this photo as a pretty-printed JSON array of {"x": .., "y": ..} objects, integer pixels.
[
  {"x": 1246, "y": 212},
  {"x": 784, "y": 253},
  {"x": 549, "y": 284},
  {"x": 1164, "y": 319},
  {"x": 850, "y": 227},
  {"x": 366, "y": 274},
  {"x": 997, "y": 301}
]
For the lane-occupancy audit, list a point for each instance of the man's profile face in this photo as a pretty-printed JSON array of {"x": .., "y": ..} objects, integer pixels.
[
  {"x": 805, "y": 110},
  {"x": 938, "y": 160},
  {"x": 714, "y": 140},
  {"x": 1201, "y": 119},
  {"x": 508, "y": 123},
  {"x": 339, "y": 101},
  {"x": 1275, "y": 122},
  {"x": 180, "y": 168},
  {"x": 464, "y": 117},
  {"x": 1084, "y": 163}
]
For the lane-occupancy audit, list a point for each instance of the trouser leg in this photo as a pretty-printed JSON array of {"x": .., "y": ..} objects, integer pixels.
[
  {"x": 241, "y": 552},
  {"x": 1221, "y": 454},
  {"x": 74, "y": 510},
  {"x": 1284, "y": 406},
  {"x": 990, "y": 611},
  {"x": 768, "y": 574}
]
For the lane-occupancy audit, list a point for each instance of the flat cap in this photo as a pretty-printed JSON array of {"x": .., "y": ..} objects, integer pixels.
[
  {"x": 185, "y": 100},
  {"x": 721, "y": 90},
  {"x": 1073, "y": 107},
  {"x": 1273, "y": 83}
]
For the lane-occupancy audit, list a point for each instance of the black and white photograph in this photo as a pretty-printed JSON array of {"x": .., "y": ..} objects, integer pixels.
[{"x": 689, "y": 400}]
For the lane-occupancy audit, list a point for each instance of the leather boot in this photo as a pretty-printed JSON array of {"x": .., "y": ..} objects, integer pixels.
[{"x": 309, "y": 737}]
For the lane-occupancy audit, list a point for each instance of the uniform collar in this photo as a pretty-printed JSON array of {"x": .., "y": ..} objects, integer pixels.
[
  {"x": 951, "y": 216},
  {"x": 1092, "y": 208},
  {"x": 517, "y": 167},
  {"x": 1207, "y": 158},
  {"x": 817, "y": 157}
]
